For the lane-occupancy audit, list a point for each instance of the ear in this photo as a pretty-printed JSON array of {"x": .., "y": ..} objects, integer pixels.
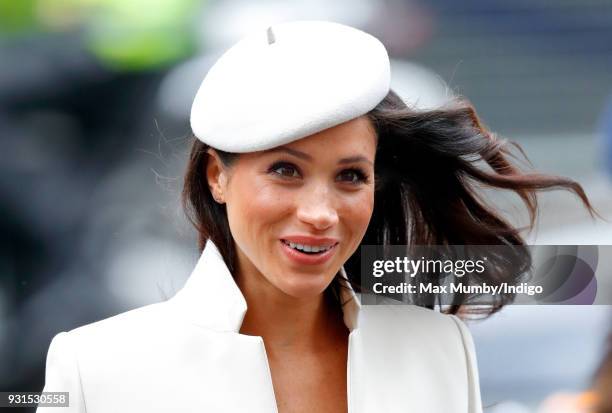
[{"x": 217, "y": 176}]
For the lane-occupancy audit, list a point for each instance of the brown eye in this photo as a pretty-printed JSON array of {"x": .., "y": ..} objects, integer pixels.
[
  {"x": 285, "y": 170},
  {"x": 353, "y": 176}
]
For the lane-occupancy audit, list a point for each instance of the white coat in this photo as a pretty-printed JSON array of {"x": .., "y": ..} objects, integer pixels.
[{"x": 187, "y": 355}]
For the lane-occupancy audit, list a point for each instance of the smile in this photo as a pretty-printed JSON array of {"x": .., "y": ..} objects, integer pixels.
[
  {"x": 308, "y": 254},
  {"x": 308, "y": 249}
]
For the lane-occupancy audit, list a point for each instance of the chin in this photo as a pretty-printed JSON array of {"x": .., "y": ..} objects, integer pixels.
[{"x": 304, "y": 289}]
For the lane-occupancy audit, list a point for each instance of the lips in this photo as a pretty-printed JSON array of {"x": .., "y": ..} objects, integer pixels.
[
  {"x": 308, "y": 240},
  {"x": 309, "y": 249},
  {"x": 308, "y": 258}
]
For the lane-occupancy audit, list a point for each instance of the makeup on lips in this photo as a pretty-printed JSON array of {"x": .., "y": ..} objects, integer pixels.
[{"x": 306, "y": 250}]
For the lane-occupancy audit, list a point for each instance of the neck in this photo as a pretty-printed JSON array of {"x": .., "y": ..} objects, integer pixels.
[{"x": 287, "y": 323}]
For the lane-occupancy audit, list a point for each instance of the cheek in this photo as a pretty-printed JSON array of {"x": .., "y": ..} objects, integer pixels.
[
  {"x": 357, "y": 214},
  {"x": 256, "y": 206}
]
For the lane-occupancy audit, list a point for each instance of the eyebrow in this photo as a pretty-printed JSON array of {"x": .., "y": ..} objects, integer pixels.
[{"x": 305, "y": 156}]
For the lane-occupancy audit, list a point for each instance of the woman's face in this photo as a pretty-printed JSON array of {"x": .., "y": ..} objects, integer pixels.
[{"x": 317, "y": 192}]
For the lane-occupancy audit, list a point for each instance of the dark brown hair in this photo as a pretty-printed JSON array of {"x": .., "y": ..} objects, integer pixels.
[{"x": 429, "y": 166}]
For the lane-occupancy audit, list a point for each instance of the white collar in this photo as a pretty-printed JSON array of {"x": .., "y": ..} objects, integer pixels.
[{"x": 211, "y": 298}]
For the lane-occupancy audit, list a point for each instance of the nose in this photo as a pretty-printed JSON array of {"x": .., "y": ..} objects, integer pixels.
[{"x": 316, "y": 208}]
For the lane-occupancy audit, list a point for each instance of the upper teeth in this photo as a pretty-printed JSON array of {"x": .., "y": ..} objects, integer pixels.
[{"x": 309, "y": 248}]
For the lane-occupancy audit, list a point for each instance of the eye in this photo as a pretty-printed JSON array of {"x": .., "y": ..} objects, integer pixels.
[
  {"x": 353, "y": 176},
  {"x": 284, "y": 169}
]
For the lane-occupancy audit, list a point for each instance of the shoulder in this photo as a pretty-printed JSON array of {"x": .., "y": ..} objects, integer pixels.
[
  {"x": 422, "y": 340},
  {"x": 128, "y": 331},
  {"x": 414, "y": 326},
  {"x": 95, "y": 347},
  {"x": 134, "y": 346},
  {"x": 425, "y": 348},
  {"x": 392, "y": 314},
  {"x": 126, "y": 323}
]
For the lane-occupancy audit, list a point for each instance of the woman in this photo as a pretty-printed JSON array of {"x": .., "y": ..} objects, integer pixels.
[{"x": 303, "y": 154}]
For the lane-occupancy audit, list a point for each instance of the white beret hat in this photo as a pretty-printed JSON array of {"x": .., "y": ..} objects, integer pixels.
[{"x": 287, "y": 82}]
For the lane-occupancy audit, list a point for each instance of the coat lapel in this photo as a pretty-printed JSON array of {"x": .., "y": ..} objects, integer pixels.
[{"x": 210, "y": 297}]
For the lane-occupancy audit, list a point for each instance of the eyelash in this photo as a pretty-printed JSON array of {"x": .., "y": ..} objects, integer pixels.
[{"x": 362, "y": 177}]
